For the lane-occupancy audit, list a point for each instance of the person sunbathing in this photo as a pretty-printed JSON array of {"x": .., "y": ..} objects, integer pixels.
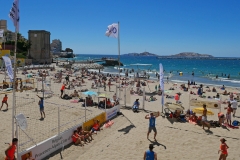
[
  {"x": 76, "y": 138},
  {"x": 214, "y": 89},
  {"x": 74, "y": 94},
  {"x": 86, "y": 134},
  {"x": 151, "y": 98},
  {"x": 132, "y": 91},
  {"x": 95, "y": 127},
  {"x": 159, "y": 92},
  {"x": 108, "y": 103},
  {"x": 193, "y": 118}
]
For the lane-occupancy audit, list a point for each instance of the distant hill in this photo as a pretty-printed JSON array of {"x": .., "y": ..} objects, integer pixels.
[
  {"x": 140, "y": 54},
  {"x": 191, "y": 54}
]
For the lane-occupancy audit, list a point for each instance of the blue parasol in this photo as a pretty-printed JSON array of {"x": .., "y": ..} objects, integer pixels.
[{"x": 90, "y": 93}]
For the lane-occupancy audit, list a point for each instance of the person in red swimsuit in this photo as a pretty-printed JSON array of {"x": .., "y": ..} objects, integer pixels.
[
  {"x": 76, "y": 138},
  {"x": 10, "y": 151},
  {"x": 62, "y": 90},
  {"x": 5, "y": 101},
  {"x": 223, "y": 149}
]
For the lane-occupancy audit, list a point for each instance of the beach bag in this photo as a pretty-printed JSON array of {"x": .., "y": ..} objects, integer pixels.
[{"x": 235, "y": 123}]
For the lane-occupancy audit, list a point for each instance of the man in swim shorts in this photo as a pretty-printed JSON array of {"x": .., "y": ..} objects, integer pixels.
[
  {"x": 204, "y": 117},
  {"x": 41, "y": 107},
  {"x": 152, "y": 119},
  {"x": 4, "y": 101}
]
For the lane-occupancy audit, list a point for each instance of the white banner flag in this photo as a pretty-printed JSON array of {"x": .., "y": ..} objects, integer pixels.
[
  {"x": 1, "y": 32},
  {"x": 161, "y": 81},
  {"x": 112, "y": 30},
  {"x": 14, "y": 14},
  {"x": 8, "y": 65}
]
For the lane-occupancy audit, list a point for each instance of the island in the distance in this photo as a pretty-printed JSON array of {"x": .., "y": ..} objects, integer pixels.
[
  {"x": 185, "y": 55},
  {"x": 140, "y": 54}
]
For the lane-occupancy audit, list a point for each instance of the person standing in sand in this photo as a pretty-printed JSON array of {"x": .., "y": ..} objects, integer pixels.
[
  {"x": 152, "y": 120},
  {"x": 228, "y": 114},
  {"x": 150, "y": 154},
  {"x": 62, "y": 89},
  {"x": 41, "y": 107},
  {"x": 109, "y": 85},
  {"x": 204, "y": 117},
  {"x": 5, "y": 98},
  {"x": 10, "y": 151},
  {"x": 223, "y": 149}
]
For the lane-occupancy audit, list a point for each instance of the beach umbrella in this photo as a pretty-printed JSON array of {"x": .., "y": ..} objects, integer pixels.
[
  {"x": 200, "y": 111},
  {"x": 174, "y": 106},
  {"x": 103, "y": 95},
  {"x": 90, "y": 93}
]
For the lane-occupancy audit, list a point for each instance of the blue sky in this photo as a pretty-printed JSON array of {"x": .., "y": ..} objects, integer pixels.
[{"x": 162, "y": 27}]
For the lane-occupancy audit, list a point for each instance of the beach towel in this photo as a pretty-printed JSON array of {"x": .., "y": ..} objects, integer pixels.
[
  {"x": 192, "y": 122},
  {"x": 230, "y": 126},
  {"x": 74, "y": 101},
  {"x": 108, "y": 124}
]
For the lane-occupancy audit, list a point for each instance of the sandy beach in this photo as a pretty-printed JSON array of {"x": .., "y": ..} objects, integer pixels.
[{"x": 127, "y": 137}]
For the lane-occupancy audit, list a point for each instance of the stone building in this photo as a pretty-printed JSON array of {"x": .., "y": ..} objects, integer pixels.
[
  {"x": 3, "y": 25},
  {"x": 40, "y": 46}
]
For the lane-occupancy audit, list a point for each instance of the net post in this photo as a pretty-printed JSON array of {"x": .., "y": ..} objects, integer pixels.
[
  {"x": 144, "y": 98},
  {"x": 58, "y": 120}
]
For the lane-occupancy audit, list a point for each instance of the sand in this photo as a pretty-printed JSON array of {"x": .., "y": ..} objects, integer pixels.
[{"x": 127, "y": 138}]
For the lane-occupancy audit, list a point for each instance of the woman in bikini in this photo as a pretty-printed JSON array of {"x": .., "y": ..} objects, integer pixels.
[
  {"x": 223, "y": 149},
  {"x": 85, "y": 133}
]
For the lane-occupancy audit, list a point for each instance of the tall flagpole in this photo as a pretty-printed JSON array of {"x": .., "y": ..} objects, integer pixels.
[
  {"x": 119, "y": 52},
  {"x": 14, "y": 84}
]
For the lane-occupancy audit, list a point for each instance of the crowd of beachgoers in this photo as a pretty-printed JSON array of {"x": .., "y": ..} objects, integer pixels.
[{"x": 80, "y": 86}]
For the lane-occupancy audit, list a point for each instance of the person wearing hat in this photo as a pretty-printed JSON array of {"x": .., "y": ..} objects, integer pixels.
[
  {"x": 136, "y": 105},
  {"x": 223, "y": 149},
  {"x": 150, "y": 154}
]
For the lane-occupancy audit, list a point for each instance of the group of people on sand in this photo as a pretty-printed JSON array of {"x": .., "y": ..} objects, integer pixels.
[{"x": 81, "y": 136}]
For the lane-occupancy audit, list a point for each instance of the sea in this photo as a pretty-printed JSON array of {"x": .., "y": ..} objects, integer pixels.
[{"x": 205, "y": 70}]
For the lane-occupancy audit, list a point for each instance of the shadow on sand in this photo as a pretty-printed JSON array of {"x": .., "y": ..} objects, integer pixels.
[
  {"x": 156, "y": 143},
  {"x": 127, "y": 129}
]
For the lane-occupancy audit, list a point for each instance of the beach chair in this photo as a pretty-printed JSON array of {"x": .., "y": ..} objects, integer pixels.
[{"x": 167, "y": 112}]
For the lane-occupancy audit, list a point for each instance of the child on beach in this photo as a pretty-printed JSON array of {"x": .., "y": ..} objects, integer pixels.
[
  {"x": 223, "y": 149},
  {"x": 4, "y": 101}
]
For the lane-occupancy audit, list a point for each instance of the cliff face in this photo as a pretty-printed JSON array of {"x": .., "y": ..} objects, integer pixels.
[{"x": 191, "y": 54}]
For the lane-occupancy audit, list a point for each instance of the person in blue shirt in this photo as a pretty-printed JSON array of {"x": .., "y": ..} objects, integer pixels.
[
  {"x": 150, "y": 154},
  {"x": 41, "y": 107},
  {"x": 152, "y": 120},
  {"x": 136, "y": 105}
]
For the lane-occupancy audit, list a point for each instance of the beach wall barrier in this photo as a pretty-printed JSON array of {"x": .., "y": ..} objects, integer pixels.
[
  {"x": 48, "y": 146},
  {"x": 88, "y": 124},
  {"x": 112, "y": 112},
  {"x": 45, "y": 148}
]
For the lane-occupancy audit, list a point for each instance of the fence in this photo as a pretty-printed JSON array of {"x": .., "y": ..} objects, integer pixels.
[
  {"x": 59, "y": 118},
  {"x": 21, "y": 85}
]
